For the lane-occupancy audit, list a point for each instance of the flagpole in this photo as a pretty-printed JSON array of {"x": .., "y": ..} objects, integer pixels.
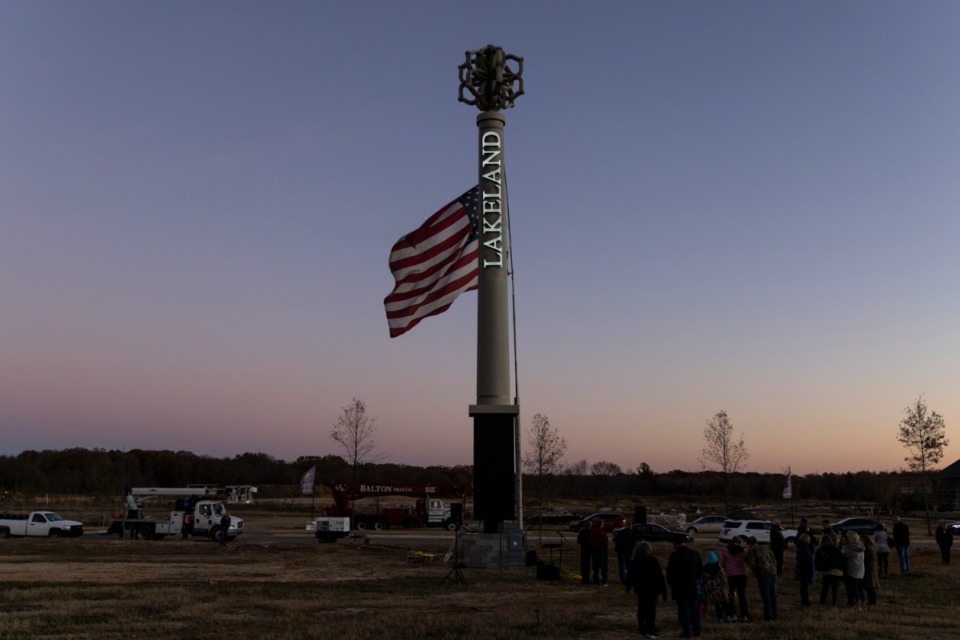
[{"x": 517, "y": 431}]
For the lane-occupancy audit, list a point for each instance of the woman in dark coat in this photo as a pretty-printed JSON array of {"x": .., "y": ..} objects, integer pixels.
[
  {"x": 803, "y": 570},
  {"x": 944, "y": 541},
  {"x": 871, "y": 579},
  {"x": 829, "y": 560},
  {"x": 645, "y": 577}
]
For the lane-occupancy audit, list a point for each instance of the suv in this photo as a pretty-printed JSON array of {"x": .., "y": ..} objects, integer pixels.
[
  {"x": 759, "y": 529},
  {"x": 611, "y": 520}
]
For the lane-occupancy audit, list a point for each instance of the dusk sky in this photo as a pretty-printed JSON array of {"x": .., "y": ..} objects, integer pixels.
[{"x": 741, "y": 206}]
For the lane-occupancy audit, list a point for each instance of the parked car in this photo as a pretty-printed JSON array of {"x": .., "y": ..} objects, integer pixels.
[
  {"x": 863, "y": 526},
  {"x": 553, "y": 515},
  {"x": 954, "y": 528},
  {"x": 759, "y": 529},
  {"x": 657, "y": 533},
  {"x": 703, "y": 524},
  {"x": 611, "y": 520}
]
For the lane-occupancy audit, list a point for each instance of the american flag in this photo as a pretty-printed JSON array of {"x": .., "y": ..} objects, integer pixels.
[
  {"x": 308, "y": 480},
  {"x": 434, "y": 264}
]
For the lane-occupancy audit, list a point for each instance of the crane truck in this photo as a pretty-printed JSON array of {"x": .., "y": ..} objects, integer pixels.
[
  {"x": 194, "y": 514},
  {"x": 423, "y": 506}
]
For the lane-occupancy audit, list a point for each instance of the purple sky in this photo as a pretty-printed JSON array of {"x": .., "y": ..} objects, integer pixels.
[{"x": 747, "y": 206}]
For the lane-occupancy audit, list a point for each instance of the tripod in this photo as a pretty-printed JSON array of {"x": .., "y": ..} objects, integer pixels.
[{"x": 455, "y": 575}]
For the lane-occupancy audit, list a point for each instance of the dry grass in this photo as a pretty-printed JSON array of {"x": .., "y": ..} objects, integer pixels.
[{"x": 106, "y": 588}]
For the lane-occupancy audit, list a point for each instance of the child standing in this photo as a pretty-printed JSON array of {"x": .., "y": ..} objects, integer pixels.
[{"x": 715, "y": 587}]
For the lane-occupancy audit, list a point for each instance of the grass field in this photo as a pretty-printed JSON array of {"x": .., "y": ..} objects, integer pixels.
[{"x": 108, "y": 588}]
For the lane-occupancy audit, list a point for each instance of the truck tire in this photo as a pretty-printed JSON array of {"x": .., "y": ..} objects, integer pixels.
[
  {"x": 4, "y": 533},
  {"x": 450, "y": 525},
  {"x": 215, "y": 534},
  {"x": 379, "y": 525},
  {"x": 55, "y": 533},
  {"x": 361, "y": 524},
  {"x": 142, "y": 533}
]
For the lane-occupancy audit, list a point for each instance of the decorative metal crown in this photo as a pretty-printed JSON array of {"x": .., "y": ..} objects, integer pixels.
[{"x": 489, "y": 80}]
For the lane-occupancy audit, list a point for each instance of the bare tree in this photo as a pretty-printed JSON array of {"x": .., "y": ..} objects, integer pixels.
[
  {"x": 546, "y": 450},
  {"x": 355, "y": 431},
  {"x": 924, "y": 435},
  {"x": 647, "y": 477},
  {"x": 578, "y": 468},
  {"x": 604, "y": 468},
  {"x": 723, "y": 451}
]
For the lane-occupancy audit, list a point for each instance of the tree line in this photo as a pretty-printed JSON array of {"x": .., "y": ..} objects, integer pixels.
[
  {"x": 107, "y": 473},
  {"x": 98, "y": 472}
]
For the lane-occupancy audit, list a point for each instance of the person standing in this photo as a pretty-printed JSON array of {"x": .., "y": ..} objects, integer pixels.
[
  {"x": 944, "y": 541},
  {"x": 733, "y": 559},
  {"x": 777, "y": 545},
  {"x": 224, "y": 528},
  {"x": 683, "y": 571},
  {"x": 829, "y": 561},
  {"x": 599, "y": 551},
  {"x": 645, "y": 577},
  {"x": 764, "y": 567},
  {"x": 871, "y": 580},
  {"x": 583, "y": 539},
  {"x": 716, "y": 590},
  {"x": 852, "y": 549},
  {"x": 804, "y": 570},
  {"x": 624, "y": 540},
  {"x": 901, "y": 540},
  {"x": 826, "y": 529},
  {"x": 882, "y": 540}
]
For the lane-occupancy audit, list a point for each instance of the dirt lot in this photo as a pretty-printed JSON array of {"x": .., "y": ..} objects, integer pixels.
[{"x": 288, "y": 586}]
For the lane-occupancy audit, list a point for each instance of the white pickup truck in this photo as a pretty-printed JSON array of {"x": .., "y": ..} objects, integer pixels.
[{"x": 39, "y": 523}]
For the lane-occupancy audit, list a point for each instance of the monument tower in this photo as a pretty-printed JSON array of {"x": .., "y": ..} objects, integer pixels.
[{"x": 487, "y": 82}]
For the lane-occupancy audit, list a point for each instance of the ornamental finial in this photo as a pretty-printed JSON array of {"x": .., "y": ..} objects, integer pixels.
[{"x": 491, "y": 83}]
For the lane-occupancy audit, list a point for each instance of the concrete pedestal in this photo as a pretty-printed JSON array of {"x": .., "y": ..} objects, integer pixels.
[{"x": 494, "y": 550}]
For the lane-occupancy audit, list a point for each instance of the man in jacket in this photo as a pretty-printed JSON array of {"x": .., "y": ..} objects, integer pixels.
[
  {"x": 599, "y": 549},
  {"x": 683, "y": 570},
  {"x": 901, "y": 540},
  {"x": 624, "y": 540},
  {"x": 764, "y": 568},
  {"x": 583, "y": 539}
]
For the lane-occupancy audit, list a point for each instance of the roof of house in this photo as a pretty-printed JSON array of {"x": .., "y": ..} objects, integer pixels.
[{"x": 951, "y": 472}]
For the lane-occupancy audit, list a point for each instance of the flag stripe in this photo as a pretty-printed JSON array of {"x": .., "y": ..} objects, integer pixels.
[
  {"x": 404, "y": 293},
  {"x": 433, "y": 265}
]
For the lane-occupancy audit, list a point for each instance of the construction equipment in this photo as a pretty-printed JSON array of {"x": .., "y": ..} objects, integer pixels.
[
  {"x": 423, "y": 507},
  {"x": 194, "y": 513}
]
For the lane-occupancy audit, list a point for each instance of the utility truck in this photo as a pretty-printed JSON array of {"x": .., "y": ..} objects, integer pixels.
[
  {"x": 415, "y": 505},
  {"x": 194, "y": 514},
  {"x": 45, "y": 524}
]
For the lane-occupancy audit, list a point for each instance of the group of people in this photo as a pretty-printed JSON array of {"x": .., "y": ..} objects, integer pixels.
[
  {"x": 720, "y": 584},
  {"x": 594, "y": 552}
]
